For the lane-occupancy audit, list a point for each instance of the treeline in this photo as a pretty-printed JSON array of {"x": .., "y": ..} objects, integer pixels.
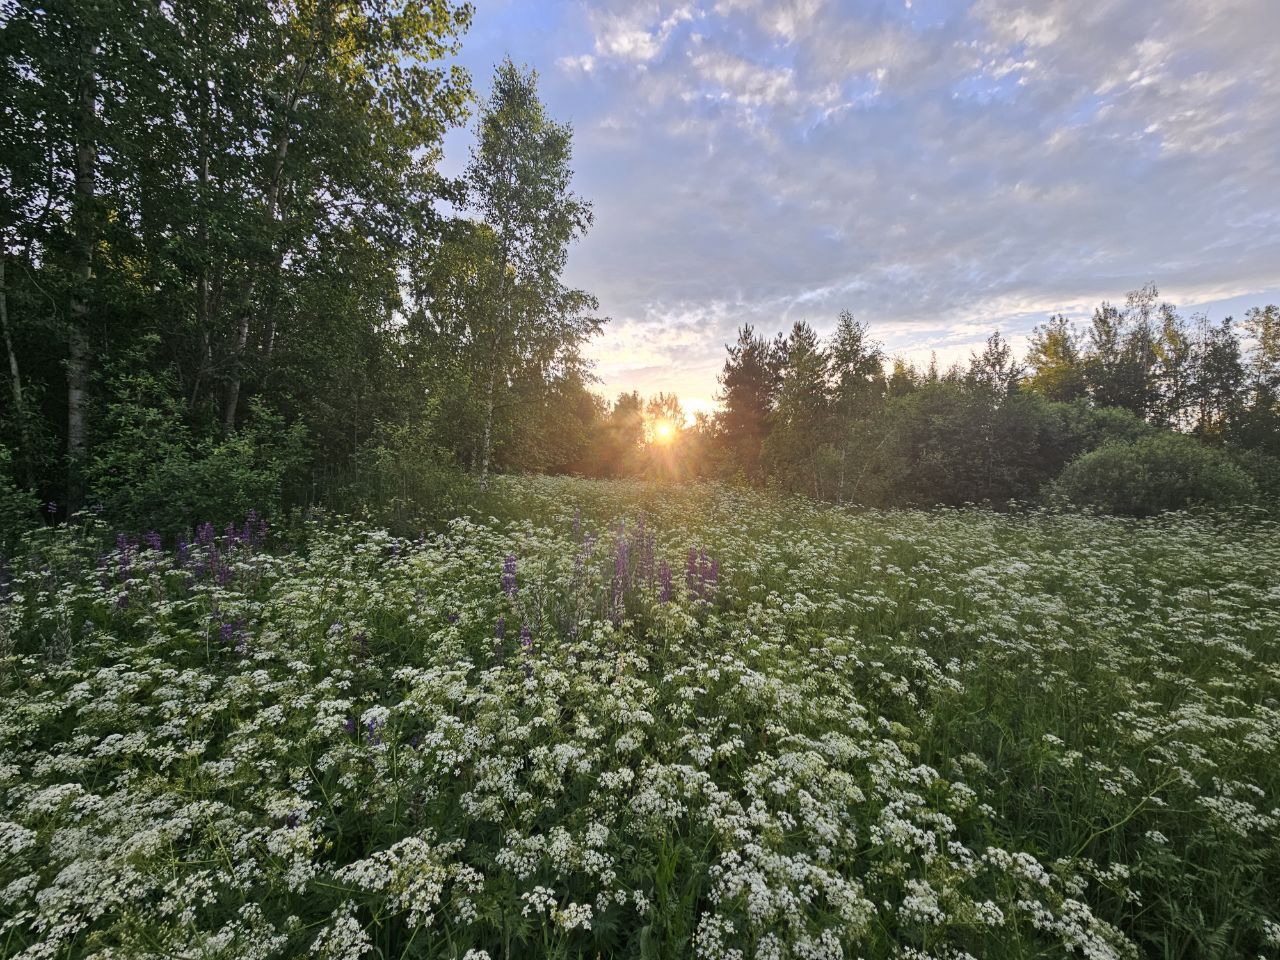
[
  {"x": 233, "y": 277},
  {"x": 1140, "y": 411}
]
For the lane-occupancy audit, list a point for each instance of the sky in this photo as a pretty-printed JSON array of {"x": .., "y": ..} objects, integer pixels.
[{"x": 941, "y": 168}]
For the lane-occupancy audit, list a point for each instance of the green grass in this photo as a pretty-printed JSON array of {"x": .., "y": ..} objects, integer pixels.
[{"x": 899, "y": 734}]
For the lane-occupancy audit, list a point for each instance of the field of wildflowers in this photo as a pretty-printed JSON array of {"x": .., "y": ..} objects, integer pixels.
[{"x": 634, "y": 721}]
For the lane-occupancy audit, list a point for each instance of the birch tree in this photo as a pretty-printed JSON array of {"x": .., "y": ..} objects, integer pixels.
[{"x": 519, "y": 182}]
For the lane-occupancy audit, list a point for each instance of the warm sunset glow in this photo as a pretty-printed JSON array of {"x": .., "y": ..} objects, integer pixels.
[{"x": 664, "y": 431}]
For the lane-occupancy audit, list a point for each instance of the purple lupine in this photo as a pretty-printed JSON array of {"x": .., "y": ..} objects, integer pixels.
[
  {"x": 509, "y": 586},
  {"x": 622, "y": 562},
  {"x": 644, "y": 549},
  {"x": 349, "y": 725},
  {"x": 647, "y": 551},
  {"x": 526, "y": 644},
  {"x": 154, "y": 542},
  {"x": 621, "y": 575},
  {"x": 226, "y": 631},
  {"x": 664, "y": 579},
  {"x": 362, "y": 645},
  {"x": 122, "y": 601},
  {"x": 51, "y": 509},
  {"x": 122, "y": 549},
  {"x": 453, "y": 616},
  {"x": 249, "y": 533},
  {"x": 184, "y": 551},
  {"x": 500, "y": 629},
  {"x": 375, "y": 737},
  {"x": 691, "y": 572}
]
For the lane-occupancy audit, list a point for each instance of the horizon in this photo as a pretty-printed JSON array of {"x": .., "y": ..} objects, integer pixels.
[{"x": 768, "y": 163}]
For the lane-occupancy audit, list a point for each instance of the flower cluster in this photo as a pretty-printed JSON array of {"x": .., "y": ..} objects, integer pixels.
[{"x": 901, "y": 735}]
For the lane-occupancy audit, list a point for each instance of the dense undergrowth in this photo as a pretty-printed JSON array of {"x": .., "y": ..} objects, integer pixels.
[{"x": 638, "y": 721}]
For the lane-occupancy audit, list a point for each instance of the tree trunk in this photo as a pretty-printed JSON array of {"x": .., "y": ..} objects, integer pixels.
[
  {"x": 15, "y": 380},
  {"x": 246, "y": 297},
  {"x": 82, "y": 273},
  {"x": 231, "y": 402},
  {"x": 504, "y": 311},
  {"x": 486, "y": 442},
  {"x": 204, "y": 311}
]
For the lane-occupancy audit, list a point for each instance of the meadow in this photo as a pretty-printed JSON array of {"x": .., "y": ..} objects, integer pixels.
[{"x": 627, "y": 720}]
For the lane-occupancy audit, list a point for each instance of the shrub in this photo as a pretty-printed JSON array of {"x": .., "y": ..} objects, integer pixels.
[
  {"x": 1264, "y": 469},
  {"x": 1153, "y": 474},
  {"x": 150, "y": 472},
  {"x": 18, "y": 511},
  {"x": 953, "y": 443},
  {"x": 402, "y": 475}
]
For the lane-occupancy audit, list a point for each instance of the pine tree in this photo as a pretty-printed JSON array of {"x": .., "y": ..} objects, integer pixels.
[
  {"x": 748, "y": 386},
  {"x": 801, "y": 418}
]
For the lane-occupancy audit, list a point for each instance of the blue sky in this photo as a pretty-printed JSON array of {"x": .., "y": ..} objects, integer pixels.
[{"x": 941, "y": 168}]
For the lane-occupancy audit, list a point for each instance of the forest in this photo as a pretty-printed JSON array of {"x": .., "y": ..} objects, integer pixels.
[{"x": 232, "y": 278}]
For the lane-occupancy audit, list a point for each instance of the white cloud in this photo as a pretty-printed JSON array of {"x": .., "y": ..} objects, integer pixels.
[
  {"x": 583, "y": 63},
  {"x": 939, "y": 174},
  {"x": 638, "y": 32}
]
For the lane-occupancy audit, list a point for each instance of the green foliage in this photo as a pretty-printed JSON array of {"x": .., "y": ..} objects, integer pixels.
[
  {"x": 1154, "y": 474},
  {"x": 405, "y": 479},
  {"x": 18, "y": 508},
  {"x": 522, "y": 330},
  {"x": 1263, "y": 468},
  {"x": 1057, "y": 368},
  {"x": 749, "y": 386},
  {"x": 821, "y": 418},
  {"x": 243, "y": 182},
  {"x": 800, "y": 421},
  {"x": 150, "y": 471},
  {"x": 952, "y": 442}
]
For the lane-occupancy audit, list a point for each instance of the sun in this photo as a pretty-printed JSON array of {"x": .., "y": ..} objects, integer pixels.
[{"x": 664, "y": 431}]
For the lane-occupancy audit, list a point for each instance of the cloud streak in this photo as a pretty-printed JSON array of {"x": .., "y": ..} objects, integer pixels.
[{"x": 940, "y": 168}]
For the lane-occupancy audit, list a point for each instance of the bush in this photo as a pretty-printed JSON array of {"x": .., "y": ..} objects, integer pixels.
[
  {"x": 150, "y": 472},
  {"x": 1153, "y": 474},
  {"x": 402, "y": 476},
  {"x": 18, "y": 510},
  {"x": 1263, "y": 469},
  {"x": 953, "y": 443},
  {"x": 1085, "y": 427}
]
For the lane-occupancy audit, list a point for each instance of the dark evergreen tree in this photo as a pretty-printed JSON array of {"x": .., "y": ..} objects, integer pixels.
[{"x": 749, "y": 386}]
